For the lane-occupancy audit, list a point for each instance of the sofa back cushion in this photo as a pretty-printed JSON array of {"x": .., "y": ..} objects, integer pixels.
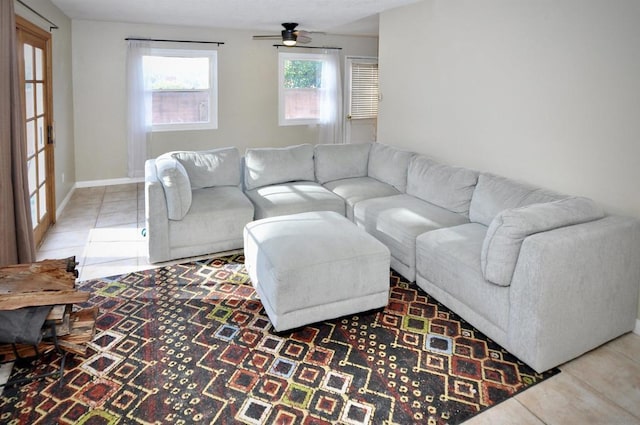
[
  {"x": 447, "y": 187},
  {"x": 177, "y": 188},
  {"x": 389, "y": 165},
  {"x": 265, "y": 166},
  {"x": 336, "y": 162},
  {"x": 216, "y": 167},
  {"x": 507, "y": 231},
  {"x": 493, "y": 194}
]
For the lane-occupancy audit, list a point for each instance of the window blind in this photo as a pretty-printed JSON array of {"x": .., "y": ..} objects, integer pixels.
[{"x": 364, "y": 90}]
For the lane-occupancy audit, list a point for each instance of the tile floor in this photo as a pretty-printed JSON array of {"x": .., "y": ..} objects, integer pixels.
[{"x": 102, "y": 227}]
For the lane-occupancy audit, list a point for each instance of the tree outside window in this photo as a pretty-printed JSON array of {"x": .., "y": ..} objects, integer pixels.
[{"x": 300, "y": 85}]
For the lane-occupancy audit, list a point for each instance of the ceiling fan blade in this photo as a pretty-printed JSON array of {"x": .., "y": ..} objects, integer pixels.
[
  {"x": 267, "y": 37},
  {"x": 303, "y": 39}
]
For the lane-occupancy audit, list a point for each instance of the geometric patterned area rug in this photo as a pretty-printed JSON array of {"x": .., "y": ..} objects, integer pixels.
[{"x": 191, "y": 343}]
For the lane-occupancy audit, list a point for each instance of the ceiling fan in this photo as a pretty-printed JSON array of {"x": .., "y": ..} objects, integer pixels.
[{"x": 289, "y": 35}]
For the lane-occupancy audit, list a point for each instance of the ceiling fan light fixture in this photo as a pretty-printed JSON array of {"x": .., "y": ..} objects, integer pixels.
[{"x": 289, "y": 37}]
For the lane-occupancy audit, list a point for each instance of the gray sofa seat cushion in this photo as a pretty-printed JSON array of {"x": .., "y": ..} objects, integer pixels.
[
  {"x": 292, "y": 198},
  {"x": 442, "y": 185},
  {"x": 355, "y": 190},
  {"x": 176, "y": 185},
  {"x": 494, "y": 194},
  {"x": 265, "y": 166},
  {"x": 450, "y": 259},
  {"x": 220, "y": 211},
  {"x": 389, "y": 165},
  {"x": 397, "y": 220},
  {"x": 215, "y": 167},
  {"x": 336, "y": 162},
  {"x": 501, "y": 246}
]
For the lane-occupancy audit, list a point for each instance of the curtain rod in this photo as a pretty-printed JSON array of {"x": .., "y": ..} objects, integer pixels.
[
  {"x": 307, "y": 47},
  {"x": 52, "y": 27},
  {"x": 173, "y": 41}
]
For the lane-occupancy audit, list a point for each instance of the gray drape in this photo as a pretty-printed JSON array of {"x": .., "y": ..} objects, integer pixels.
[{"x": 16, "y": 232}]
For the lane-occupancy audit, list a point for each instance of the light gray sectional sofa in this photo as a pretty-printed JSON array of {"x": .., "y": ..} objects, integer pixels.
[{"x": 546, "y": 275}]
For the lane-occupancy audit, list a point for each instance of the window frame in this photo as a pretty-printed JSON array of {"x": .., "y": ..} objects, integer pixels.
[
  {"x": 212, "y": 55},
  {"x": 282, "y": 57}
]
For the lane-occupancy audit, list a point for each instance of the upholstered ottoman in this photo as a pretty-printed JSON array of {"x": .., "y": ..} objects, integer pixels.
[{"x": 315, "y": 266}]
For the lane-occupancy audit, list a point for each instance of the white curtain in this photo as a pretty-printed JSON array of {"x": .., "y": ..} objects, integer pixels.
[
  {"x": 331, "y": 99},
  {"x": 139, "y": 107},
  {"x": 16, "y": 230}
]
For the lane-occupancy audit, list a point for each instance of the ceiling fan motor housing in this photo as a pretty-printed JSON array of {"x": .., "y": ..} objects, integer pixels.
[{"x": 289, "y": 36}]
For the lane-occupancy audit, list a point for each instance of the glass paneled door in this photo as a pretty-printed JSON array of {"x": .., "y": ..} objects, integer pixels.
[
  {"x": 361, "y": 99},
  {"x": 35, "y": 76}
]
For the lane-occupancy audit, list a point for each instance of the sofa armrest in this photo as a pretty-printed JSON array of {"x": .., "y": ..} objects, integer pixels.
[
  {"x": 156, "y": 215},
  {"x": 573, "y": 289}
]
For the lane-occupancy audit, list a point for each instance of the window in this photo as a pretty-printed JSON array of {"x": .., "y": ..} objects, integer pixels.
[
  {"x": 364, "y": 90},
  {"x": 300, "y": 84},
  {"x": 184, "y": 88}
]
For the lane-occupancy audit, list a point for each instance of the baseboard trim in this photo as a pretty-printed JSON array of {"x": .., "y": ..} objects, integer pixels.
[
  {"x": 64, "y": 202},
  {"x": 94, "y": 183},
  {"x": 108, "y": 182},
  {"x": 637, "y": 329}
]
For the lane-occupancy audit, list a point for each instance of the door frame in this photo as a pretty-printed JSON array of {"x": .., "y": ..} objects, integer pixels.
[{"x": 28, "y": 30}]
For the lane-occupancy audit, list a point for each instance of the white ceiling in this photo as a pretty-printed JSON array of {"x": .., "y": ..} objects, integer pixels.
[{"x": 331, "y": 16}]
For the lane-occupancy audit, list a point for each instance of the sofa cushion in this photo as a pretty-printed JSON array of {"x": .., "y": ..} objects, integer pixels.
[
  {"x": 177, "y": 188},
  {"x": 358, "y": 189},
  {"x": 397, "y": 220},
  {"x": 494, "y": 194},
  {"x": 216, "y": 167},
  {"x": 449, "y": 259},
  {"x": 389, "y": 165},
  {"x": 217, "y": 218},
  {"x": 501, "y": 246},
  {"x": 442, "y": 185},
  {"x": 335, "y": 162},
  {"x": 293, "y": 198},
  {"x": 265, "y": 166}
]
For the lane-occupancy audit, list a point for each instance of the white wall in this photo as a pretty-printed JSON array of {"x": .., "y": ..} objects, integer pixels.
[
  {"x": 545, "y": 91},
  {"x": 248, "y": 94},
  {"x": 542, "y": 90},
  {"x": 64, "y": 152}
]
